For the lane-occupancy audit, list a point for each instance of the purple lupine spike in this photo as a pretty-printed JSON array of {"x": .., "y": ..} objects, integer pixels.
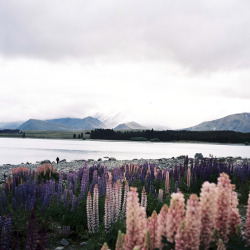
[
  {"x": 70, "y": 197},
  {"x": 73, "y": 208},
  {"x": 6, "y": 233}
]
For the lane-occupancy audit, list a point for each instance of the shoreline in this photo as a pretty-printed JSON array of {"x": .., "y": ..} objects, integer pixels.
[
  {"x": 106, "y": 140},
  {"x": 109, "y": 162}
]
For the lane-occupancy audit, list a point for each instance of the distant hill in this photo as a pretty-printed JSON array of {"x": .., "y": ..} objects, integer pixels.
[
  {"x": 78, "y": 124},
  {"x": 62, "y": 124},
  {"x": 129, "y": 126},
  {"x": 236, "y": 122},
  {"x": 10, "y": 125},
  {"x": 33, "y": 124}
]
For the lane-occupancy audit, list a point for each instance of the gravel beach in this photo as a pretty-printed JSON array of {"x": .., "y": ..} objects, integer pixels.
[{"x": 65, "y": 166}]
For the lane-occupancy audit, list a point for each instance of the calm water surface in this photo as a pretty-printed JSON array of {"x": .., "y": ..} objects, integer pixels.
[{"x": 18, "y": 150}]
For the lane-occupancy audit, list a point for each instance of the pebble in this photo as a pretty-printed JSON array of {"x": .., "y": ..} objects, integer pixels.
[
  {"x": 59, "y": 248},
  {"x": 82, "y": 244},
  {"x": 64, "y": 242}
]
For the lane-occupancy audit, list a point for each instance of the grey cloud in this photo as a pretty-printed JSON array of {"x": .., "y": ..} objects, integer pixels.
[{"x": 200, "y": 35}]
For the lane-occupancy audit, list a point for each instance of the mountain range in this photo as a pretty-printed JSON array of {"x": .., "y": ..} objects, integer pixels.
[{"x": 235, "y": 122}]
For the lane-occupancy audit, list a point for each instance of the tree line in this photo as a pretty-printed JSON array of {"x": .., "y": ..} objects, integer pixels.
[{"x": 172, "y": 135}]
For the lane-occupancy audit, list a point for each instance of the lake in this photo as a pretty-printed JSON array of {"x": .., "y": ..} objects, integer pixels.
[{"x": 18, "y": 150}]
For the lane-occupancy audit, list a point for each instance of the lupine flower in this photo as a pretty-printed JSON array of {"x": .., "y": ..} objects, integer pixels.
[
  {"x": 144, "y": 198},
  {"x": 223, "y": 206},
  {"x": 181, "y": 238},
  {"x": 110, "y": 194},
  {"x": 95, "y": 209},
  {"x": 167, "y": 183},
  {"x": 89, "y": 213},
  {"x": 175, "y": 215},
  {"x": 124, "y": 205},
  {"x": 105, "y": 246},
  {"x": 247, "y": 230},
  {"x": 152, "y": 227},
  {"x": 162, "y": 226},
  {"x": 107, "y": 215},
  {"x": 207, "y": 201},
  {"x": 73, "y": 208},
  {"x": 119, "y": 241},
  {"x": 234, "y": 219},
  {"x": 193, "y": 222},
  {"x": 143, "y": 222},
  {"x": 133, "y": 235}
]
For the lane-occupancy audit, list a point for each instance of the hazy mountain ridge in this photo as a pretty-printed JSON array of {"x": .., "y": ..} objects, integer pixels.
[
  {"x": 62, "y": 124},
  {"x": 34, "y": 124},
  {"x": 77, "y": 123},
  {"x": 129, "y": 126},
  {"x": 236, "y": 122}
]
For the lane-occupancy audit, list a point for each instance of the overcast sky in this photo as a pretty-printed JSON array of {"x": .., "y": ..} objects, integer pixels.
[{"x": 171, "y": 63}]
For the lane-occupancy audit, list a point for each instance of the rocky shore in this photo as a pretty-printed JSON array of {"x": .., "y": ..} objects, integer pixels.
[{"x": 63, "y": 165}]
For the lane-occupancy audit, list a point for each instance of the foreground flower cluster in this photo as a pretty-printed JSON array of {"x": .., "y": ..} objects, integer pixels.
[
  {"x": 94, "y": 201},
  {"x": 211, "y": 219}
]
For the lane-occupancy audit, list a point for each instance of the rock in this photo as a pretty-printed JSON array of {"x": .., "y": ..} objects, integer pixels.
[
  {"x": 59, "y": 248},
  {"x": 112, "y": 159},
  {"x": 100, "y": 159},
  {"x": 64, "y": 242},
  {"x": 45, "y": 162},
  {"x": 83, "y": 244},
  {"x": 198, "y": 156}
]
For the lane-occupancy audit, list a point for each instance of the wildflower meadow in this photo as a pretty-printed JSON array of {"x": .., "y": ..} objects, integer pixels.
[{"x": 199, "y": 204}]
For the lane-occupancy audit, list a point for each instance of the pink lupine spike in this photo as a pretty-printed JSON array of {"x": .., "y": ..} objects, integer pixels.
[
  {"x": 133, "y": 234},
  {"x": 223, "y": 206},
  {"x": 124, "y": 205},
  {"x": 107, "y": 215},
  {"x": 152, "y": 227},
  {"x": 109, "y": 193},
  {"x": 89, "y": 213},
  {"x": 95, "y": 209},
  {"x": 175, "y": 215},
  {"x": 207, "y": 201},
  {"x": 193, "y": 222},
  {"x": 167, "y": 183},
  {"x": 119, "y": 241},
  {"x": 119, "y": 196},
  {"x": 144, "y": 198},
  {"x": 105, "y": 246},
  {"x": 234, "y": 219},
  {"x": 143, "y": 223},
  {"x": 247, "y": 230},
  {"x": 181, "y": 238},
  {"x": 162, "y": 226}
]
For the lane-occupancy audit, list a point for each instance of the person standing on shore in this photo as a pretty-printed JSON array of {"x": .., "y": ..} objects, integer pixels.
[{"x": 57, "y": 160}]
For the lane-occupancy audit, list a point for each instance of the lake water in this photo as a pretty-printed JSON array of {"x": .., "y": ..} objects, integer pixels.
[{"x": 18, "y": 150}]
